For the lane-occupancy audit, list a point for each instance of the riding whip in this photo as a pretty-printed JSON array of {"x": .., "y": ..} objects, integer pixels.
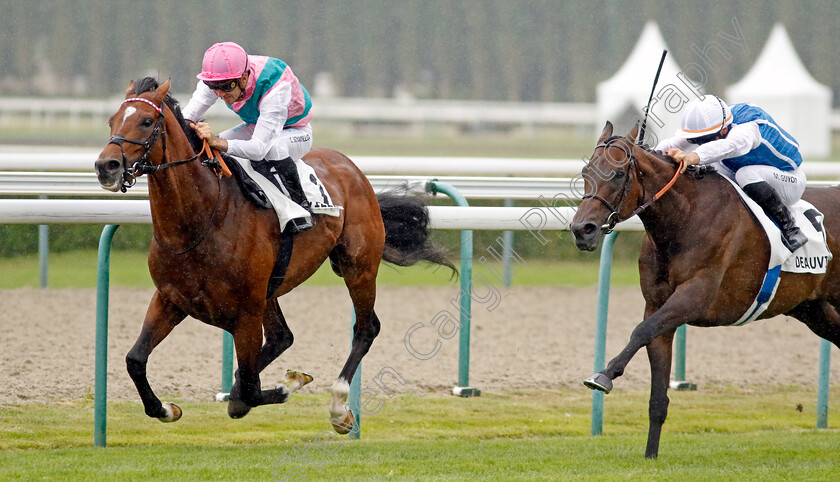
[{"x": 652, "y": 90}]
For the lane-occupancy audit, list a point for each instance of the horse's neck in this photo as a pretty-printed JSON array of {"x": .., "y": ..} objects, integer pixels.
[
  {"x": 670, "y": 212},
  {"x": 183, "y": 198}
]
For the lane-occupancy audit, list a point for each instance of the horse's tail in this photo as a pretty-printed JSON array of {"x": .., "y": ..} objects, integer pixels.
[{"x": 406, "y": 220}]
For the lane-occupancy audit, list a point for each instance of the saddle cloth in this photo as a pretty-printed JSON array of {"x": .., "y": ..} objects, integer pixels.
[
  {"x": 811, "y": 258},
  {"x": 317, "y": 195}
]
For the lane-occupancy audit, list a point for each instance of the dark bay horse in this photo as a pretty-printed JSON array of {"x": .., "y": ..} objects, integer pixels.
[
  {"x": 214, "y": 251},
  {"x": 703, "y": 257}
]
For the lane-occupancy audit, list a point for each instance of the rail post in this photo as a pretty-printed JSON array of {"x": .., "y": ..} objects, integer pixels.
[
  {"x": 463, "y": 389},
  {"x": 604, "y": 273},
  {"x": 822, "y": 390},
  {"x": 100, "y": 404}
]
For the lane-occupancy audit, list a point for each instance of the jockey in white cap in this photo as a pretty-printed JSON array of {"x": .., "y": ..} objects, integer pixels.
[{"x": 746, "y": 145}]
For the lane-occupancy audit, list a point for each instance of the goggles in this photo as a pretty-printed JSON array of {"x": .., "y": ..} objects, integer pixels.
[{"x": 223, "y": 86}]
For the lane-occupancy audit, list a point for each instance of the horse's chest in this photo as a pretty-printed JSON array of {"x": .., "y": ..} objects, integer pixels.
[{"x": 203, "y": 291}]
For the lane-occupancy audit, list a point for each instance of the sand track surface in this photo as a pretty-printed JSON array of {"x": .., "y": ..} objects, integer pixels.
[{"x": 522, "y": 338}]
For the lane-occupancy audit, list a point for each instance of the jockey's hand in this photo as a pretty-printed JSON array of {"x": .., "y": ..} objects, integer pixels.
[
  {"x": 203, "y": 130},
  {"x": 689, "y": 159}
]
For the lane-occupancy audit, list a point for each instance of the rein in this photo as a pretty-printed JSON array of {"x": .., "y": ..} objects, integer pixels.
[{"x": 614, "y": 216}]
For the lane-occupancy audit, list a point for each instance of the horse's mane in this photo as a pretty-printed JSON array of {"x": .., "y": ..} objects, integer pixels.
[{"x": 149, "y": 84}]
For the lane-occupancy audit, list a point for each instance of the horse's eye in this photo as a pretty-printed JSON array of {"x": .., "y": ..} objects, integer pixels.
[
  {"x": 619, "y": 175},
  {"x": 147, "y": 122}
]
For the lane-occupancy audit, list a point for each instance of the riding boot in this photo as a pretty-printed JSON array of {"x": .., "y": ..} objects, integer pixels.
[
  {"x": 287, "y": 172},
  {"x": 770, "y": 201}
]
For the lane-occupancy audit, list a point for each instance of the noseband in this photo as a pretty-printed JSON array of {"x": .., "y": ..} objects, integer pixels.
[{"x": 143, "y": 165}]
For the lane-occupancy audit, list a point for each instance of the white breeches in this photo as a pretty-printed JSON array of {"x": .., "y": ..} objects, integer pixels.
[
  {"x": 789, "y": 184},
  {"x": 293, "y": 142}
]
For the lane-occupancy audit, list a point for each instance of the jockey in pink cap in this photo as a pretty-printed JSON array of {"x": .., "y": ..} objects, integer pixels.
[{"x": 274, "y": 107}]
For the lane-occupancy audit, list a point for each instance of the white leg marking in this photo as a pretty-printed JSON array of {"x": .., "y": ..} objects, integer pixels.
[
  {"x": 340, "y": 392},
  {"x": 340, "y": 415}
]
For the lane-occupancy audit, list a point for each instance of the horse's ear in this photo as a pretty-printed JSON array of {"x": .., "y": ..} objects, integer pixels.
[
  {"x": 130, "y": 90},
  {"x": 634, "y": 133},
  {"x": 161, "y": 91},
  {"x": 606, "y": 133}
]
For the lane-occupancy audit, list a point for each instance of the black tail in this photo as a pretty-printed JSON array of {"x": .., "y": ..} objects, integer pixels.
[{"x": 407, "y": 231}]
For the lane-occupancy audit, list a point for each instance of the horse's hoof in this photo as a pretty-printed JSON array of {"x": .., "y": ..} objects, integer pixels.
[
  {"x": 295, "y": 380},
  {"x": 173, "y": 413},
  {"x": 237, "y": 408},
  {"x": 599, "y": 381},
  {"x": 345, "y": 425}
]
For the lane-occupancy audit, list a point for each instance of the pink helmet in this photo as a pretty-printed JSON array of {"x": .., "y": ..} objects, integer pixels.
[{"x": 223, "y": 61}]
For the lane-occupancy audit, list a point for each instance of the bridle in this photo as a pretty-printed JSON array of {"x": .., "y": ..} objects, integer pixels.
[
  {"x": 632, "y": 168},
  {"x": 143, "y": 165}
]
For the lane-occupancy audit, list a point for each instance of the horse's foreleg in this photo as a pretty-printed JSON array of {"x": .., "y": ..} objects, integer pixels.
[
  {"x": 659, "y": 355},
  {"x": 246, "y": 393},
  {"x": 681, "y": 308},
  {"x": 161, "y": 318}
]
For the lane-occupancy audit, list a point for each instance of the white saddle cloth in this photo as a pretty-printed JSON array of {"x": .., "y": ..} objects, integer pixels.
[
  {"x": 286, "y": 209},
  {"x": 812, "y": 258}
]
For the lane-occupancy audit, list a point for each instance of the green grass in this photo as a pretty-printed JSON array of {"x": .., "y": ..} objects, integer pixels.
[
  {"x": 78, "y": 269},
  {"x": 714, "y": 433}
]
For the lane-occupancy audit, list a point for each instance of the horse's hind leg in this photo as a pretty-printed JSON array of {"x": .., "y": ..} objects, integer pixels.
[
  {"x": 360, "y": 278},
  {"x": 161, "y": 318},
  {"x": 821, "y": 317}
]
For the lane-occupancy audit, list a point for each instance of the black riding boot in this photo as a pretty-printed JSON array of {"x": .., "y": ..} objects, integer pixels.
[
  {"x": 769, "y": 200},
  {"x": 286, "y": 171}
]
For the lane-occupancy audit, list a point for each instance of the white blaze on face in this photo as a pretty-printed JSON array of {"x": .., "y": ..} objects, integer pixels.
[{"x": 129, "y": 111}]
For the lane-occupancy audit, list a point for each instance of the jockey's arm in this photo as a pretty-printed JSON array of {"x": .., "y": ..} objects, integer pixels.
[
  {"x": 672, "y": 143},
  {"x": 741, "y": 139},
  {"x": 273, "y": 116}
]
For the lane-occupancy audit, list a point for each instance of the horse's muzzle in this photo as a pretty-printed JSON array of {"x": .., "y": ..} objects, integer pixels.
[
  {"x": 587, "y": 235},
  {"x": 110, "y": 173}
]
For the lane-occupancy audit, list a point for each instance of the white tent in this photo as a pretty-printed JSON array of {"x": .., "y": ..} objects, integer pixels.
[
  {"x": 780, "y": 84},
  {"x": 622, "y": 98}
]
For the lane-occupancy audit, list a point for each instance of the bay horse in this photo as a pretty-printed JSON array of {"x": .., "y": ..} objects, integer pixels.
[
  {"x": 703, "y": 258},
  {"x": 214, "y": 251}
]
